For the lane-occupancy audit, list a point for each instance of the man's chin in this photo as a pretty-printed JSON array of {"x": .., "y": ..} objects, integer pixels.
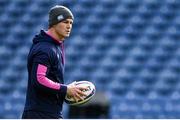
[{"x": 66, "y": 36}]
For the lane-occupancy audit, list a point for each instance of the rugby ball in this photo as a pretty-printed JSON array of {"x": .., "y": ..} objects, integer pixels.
[{"x": 89, "y": 93}]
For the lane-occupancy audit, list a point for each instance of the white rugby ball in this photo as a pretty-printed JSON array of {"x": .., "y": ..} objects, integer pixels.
[{"x": 89, "y": 93}]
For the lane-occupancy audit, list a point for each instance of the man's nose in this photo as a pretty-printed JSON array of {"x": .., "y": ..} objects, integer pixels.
[{"x": 69, "y": 26}]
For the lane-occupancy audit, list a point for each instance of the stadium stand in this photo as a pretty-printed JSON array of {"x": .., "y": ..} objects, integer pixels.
[{"x": 128, "y": 48}]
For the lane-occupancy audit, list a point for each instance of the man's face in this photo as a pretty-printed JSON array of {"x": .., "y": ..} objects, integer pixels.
[{"x": 63, "y": 29}]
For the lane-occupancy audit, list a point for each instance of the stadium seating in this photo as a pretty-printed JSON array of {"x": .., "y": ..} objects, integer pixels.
[{"x": 128, "y": 48}]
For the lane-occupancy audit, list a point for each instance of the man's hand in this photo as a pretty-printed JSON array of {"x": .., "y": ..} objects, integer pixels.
[{"x": 75, "y": 92}]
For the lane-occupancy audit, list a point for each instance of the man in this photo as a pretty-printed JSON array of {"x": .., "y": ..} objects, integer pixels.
[{"x": 46, "y": 89}]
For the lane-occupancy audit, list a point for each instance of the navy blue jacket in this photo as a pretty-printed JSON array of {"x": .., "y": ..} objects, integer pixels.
[{"x": 48, "y": 52}]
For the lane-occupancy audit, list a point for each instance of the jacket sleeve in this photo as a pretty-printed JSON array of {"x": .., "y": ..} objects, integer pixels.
[{"x": 41, "y": 63}]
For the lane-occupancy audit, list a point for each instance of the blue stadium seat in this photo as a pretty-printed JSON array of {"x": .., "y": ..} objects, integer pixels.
[
  {"x": 163, "y": 89},
  {"x": 148, "y": 77},
  {"x": 117, "y": 88}
]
